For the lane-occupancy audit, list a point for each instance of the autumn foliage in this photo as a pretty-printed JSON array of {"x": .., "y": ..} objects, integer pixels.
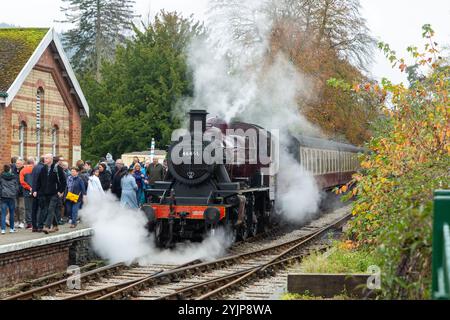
[
  {"x": 409, "y": 158},
  {"x": 310, "y": 37}
]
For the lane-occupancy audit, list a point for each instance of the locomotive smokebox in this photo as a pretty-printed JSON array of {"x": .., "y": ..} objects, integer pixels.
[{"x": 197, "y": 117}]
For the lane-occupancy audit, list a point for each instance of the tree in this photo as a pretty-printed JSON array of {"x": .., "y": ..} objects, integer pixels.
[
  {"x": 100, "y": 25},
  {"x": 323, "y": 39},
  {"x": 409, "y": 159},
  {"x": 138, "y": 91}
]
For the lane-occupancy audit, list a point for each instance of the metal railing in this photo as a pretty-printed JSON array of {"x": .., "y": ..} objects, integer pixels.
[{"x": 441, "y": 246}]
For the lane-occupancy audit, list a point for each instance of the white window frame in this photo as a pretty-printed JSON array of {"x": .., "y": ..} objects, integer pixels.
[
  {"x": 39, "y": 95},
  {"x": 54, "y": 140},
  {"x": 22, "y": 133}
]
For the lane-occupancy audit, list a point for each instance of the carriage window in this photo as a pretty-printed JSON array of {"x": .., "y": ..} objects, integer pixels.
[
  {"x": 311, "y": 161},
  {"x": 349, "y": 162},
  {"x": 319, "y": 167},
  {"x": 340, "y": 162},
  {"x": 316, "y": 162},
  {"x": 320, "y": 162},
  {"x": 305, "y": 159},
  {"x": 329, "y": 161},
  {"x": 344, "y": 161},
  {"x": 347, "y": 167},
  {"x": 335, "y": 161},
  {"x": 308, "y": 162}
]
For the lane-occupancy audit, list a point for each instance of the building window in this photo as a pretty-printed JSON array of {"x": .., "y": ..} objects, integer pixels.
[
  {"x": 39, "y": 99},
  {"x": 55, "y": 140},
  {"x": 22, "y": 139}
]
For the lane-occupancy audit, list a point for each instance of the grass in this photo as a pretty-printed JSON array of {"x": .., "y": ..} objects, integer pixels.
[
  {"x": 307, "y": 296},
  {"x": 342, "y": 258}
]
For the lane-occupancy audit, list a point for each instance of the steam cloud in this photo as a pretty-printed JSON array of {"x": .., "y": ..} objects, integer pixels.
[
  {"x": 235, "y": 78},
  {"x": 120, "y": 236}
]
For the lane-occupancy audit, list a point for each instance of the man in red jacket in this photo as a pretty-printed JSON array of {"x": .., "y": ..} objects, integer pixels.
[{"x": 26, "y": 180}]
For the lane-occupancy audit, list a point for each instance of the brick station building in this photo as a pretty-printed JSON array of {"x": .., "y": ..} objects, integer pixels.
[{"x": 41, "y": 102}]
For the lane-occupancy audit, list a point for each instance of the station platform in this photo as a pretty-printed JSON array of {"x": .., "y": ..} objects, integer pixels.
[
  {"x": 25, "y": 239},
  {"x": 25, "y": 255}
]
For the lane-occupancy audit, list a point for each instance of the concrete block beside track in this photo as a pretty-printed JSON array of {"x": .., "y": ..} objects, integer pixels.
[{"x": 329, "y": 285}]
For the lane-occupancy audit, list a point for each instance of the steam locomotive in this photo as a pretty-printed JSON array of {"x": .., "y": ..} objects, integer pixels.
[{"x": 224, "y": 174}]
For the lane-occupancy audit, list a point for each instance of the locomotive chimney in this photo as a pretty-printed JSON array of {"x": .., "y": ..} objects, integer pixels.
[{"x": 197, "y": 116}]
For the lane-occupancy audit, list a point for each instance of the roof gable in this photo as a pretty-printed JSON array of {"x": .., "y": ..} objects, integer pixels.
[
  {"x": 16, "y": 47},
  {"x": 50, "y": 37}
]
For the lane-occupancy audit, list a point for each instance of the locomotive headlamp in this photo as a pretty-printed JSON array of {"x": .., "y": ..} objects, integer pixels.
[{"x": 212, "y": 216}]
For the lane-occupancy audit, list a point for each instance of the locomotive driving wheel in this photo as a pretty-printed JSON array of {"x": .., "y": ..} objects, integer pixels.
[
  {"x": 160, "y": 243},
  {"x": 253, "y": 226},
  {"x": 251, "y": 218},
  {"x": 243, "y": 231}
]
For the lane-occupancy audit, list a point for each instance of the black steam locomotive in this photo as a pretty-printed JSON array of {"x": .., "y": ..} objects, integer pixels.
[{"x": 224, "y": 174}]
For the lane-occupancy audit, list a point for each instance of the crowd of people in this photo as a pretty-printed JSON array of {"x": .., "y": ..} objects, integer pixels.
[{"x": 41, "y": 195}]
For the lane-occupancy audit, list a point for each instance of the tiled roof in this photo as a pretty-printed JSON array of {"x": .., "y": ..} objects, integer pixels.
[{"x": 16, "y": 47}]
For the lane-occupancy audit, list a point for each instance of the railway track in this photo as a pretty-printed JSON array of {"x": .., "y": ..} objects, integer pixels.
[{"x": 246, "y": 263}]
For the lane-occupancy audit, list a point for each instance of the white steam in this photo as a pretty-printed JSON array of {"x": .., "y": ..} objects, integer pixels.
[
  {"x": 235, "y": 77},
  {"x": 120, "y": 236},
  {"x": 298, "y": 194},
  {"x": 119, "y": 233}
]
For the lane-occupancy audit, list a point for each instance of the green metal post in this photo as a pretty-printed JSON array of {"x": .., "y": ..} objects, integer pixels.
[{"x": 441, "y": 245}]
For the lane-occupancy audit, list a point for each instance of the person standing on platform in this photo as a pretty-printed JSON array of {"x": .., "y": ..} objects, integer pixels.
[
  {"x": 35, "y": 213},
  {"x": 135, "y": 162},
  {"x": 128, "y": 198},
  {"x": 155, "y": 172},
  {"x": 9, "y": 188},
  {"x": 95, "y": 189},
  {"x": 20, "y": 202},
  {"x": 76, "y": 191},
  {"x": 26, "y": 180},
  {"x": 140, "y": 181},
  {"x": 51, "y": 185},
  {"x": 116, "y": 187},
  {"x": 105, "y": 177}
]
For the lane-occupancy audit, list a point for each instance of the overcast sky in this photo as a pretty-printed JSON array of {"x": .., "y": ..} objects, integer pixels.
[{"x": 397, "y": 22}]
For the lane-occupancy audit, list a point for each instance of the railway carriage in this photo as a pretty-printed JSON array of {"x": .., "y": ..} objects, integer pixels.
[{"x": 331, "y": 163}]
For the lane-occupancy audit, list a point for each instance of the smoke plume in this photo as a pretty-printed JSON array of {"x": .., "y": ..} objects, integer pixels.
[
  {"x": 237, "y": 77},
  {"x": 120, "y": 236}
]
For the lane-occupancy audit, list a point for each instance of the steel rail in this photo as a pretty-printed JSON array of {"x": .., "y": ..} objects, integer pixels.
[
  {"x": 30, "y": 294},
  {"x": 100, "y": 292},
  {"x": 170, "y": 276},
  {"x": 273, "y": 261}
]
